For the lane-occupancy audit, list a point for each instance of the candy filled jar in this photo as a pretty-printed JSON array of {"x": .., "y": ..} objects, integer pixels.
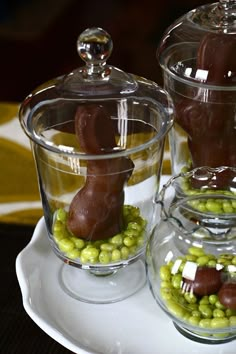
[
  {"x": 191, "y": 254},
  {"x": 197, "y": 56},
  {"x": 98, "y": 136}
]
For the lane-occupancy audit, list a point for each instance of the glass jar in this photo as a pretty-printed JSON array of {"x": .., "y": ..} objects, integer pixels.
[
  {"x": 98, "y": 136},
  {"x": 191, "y": 254},
  {"x": 197, "y": 56}
]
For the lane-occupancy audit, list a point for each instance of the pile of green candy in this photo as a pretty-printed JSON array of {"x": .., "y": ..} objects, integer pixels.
[
  {"x": 207, "y": 204},
  {"x": 205, "y": 312},
  {"x": 114, "y": 249}
]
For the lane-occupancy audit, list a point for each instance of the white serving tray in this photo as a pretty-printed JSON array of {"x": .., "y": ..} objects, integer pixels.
[{"x": 133, "y": 326}]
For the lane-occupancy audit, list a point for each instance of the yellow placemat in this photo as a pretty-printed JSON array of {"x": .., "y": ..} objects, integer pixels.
[{"x": 19, "y": 196}]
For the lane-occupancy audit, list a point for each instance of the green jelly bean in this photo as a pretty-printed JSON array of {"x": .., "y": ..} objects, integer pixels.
[
  {"x": 196, "y": 313},
  {"x": 165, "y": 273},
  {"x": 221, "y": 335},
  {"x": 227, "y": 207},
  {"x": 166, "y": 284},
  {"x": 142, "y": 222},
  {"x": 196, "y": 251},
  {"x": 115, "y": 255},
  {"x": 193, "y": 306},
  {"x": 212, "y": 263},
  {"x": 232, "y": 320},
  {"x": 205, "y": 323},
  {"x": 133, "y": 249},
  {"x": 181, "y": 267},
  {"x": 205, "y": 310},
  {"x": 73, "y": 254},
  {"x": 131, "y": 233},
  {"x": 117, "y": 240},
  {"x": 91, "y": 252},
  {"x": 107, "y": 247},
  {"x": 230, "y": 312},
  {"x": 176, "y": 309},
  {"x": 193, "y": 192},
  {"x": 135, "y": 212},
  {"x": 58, "y": 226},
  {"x": 140, "y": 241},
  {"x": 191, "y": 257},
  {"x": 201, "y": 207},
  {"x": 129, "y": 241},
  {"x": 214, "y": 206},
  {"x": 176, "y": 281},
  {"x": 58, "y": 230},
  {"x": 193, "y": 320},
  {"x": 213, "y": 298},
  {"x": 79, "y": 243},
  {"x": 226, "y": 256},
  {"x": 223, "y": 261},
  {"x": 202, "y": 260},
  {"x": 124, "y": 252},
  {"x": 104, "y": 257},
  {"x": 134, "y": 226},
  {"x": 190, "y": 298},
  {"x": 61, "y": 215},
  {"x": 66, "y": 245},
  {"x": 58, "y": 236},
  {"x": 218, "y": 313},
  {"x": 204, "y": 300},
  {"x": 83, "y": 258},
  {"x": 220, "y": 322},
  {"x": 219, "y": 305}
]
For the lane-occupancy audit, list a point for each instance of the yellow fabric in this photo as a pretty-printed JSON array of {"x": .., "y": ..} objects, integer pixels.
[
  {"x": 19, "y": 196},
  {"x": 18, "y": 182}
]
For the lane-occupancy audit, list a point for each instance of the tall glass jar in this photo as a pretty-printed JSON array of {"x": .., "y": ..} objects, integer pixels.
[
  {"x": 98, "y": 137},
  {"x": 197, "y": 55}
]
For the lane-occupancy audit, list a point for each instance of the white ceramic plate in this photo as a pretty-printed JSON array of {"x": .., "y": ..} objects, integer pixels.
[{"x": 133, "y": 326}]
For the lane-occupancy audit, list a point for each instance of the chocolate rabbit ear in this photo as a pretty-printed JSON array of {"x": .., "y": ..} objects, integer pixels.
[
  {"x": 94, "y": 129},
  {"x": 216, "y": 54}
]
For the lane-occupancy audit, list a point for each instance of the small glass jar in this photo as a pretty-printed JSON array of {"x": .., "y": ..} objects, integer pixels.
[
  {"x": 98, "y": 136},
  {"x": 191, "y": 254},
  {"x": 197, "y": 55}
]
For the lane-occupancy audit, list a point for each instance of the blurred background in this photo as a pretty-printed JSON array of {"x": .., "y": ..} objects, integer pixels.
[{"x": 38, "y": 37}]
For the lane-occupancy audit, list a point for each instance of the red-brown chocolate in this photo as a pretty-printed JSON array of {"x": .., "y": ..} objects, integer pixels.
[
  {"x": 207, "y": 281},
  {"x": 227, "y": 295},
  {"x": 96, "y": 211},
  {"x": 210, "y": 122}
]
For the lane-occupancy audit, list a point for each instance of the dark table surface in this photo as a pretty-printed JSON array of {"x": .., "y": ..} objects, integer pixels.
[{"x": 18, "y": 333}]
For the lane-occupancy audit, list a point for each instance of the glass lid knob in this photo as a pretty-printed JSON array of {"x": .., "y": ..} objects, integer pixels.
[{"x": 94, "y": 46}]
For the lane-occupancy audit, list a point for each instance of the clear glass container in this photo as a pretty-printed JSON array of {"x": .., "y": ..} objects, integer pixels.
[
  {"x": 191, "y": 254},
  {"x": 197, "y": 56},
  {"x": 98, "y": 136}
]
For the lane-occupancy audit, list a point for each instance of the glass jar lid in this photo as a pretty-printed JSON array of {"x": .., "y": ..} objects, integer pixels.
[
  {"x": 95, "y": 89},
  {"x": 200, "y": 46}
]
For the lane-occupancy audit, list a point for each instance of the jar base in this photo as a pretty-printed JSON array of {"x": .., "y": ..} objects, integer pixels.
[
  {"x": 86, "y": 286},
  {"x": 201, "y": 338}
]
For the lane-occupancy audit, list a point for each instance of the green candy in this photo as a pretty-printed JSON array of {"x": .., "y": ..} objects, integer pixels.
[{"x": 116, "y": 248}]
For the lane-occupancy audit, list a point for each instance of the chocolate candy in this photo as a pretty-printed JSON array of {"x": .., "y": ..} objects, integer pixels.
[
  {"x": 227, "y": 295},
  {"x": 207, "y": 281},
  {"x": 96, "y": 211}
]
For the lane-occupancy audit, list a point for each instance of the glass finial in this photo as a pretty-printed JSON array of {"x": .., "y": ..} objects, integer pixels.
[{"x": 94, "y": 46}]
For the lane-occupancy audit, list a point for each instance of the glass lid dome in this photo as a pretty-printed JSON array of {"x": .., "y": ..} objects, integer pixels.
[
  {"x": 200, "y": 46},
  {"x": 52, "y": 107}
]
